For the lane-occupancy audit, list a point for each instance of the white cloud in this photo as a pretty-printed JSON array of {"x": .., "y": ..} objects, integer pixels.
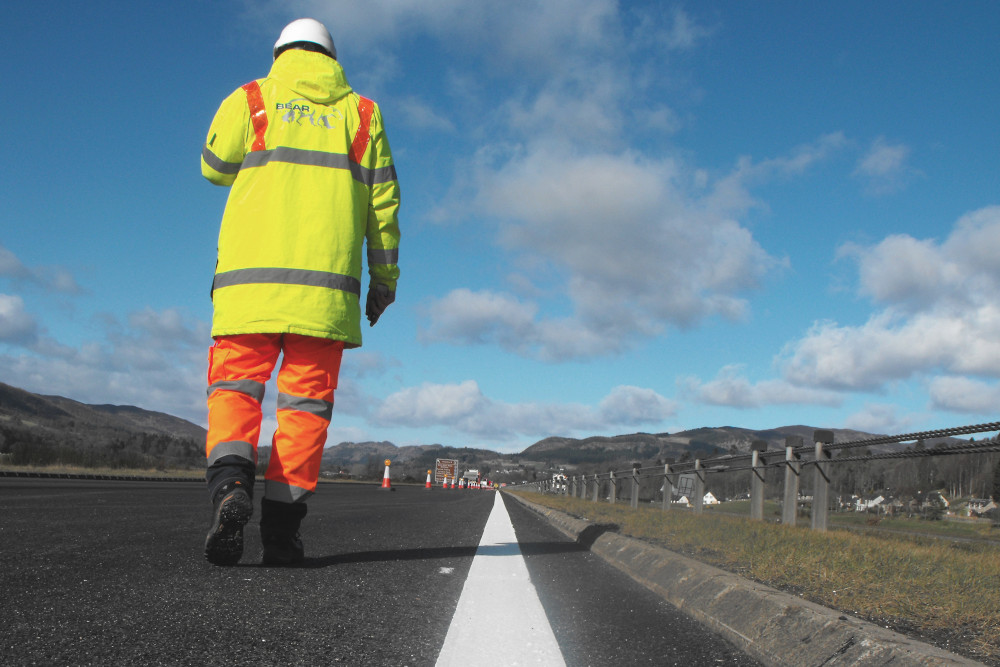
[
  {"x": 480, "y": 317},
  {"x": 730, "y": 388},
  {"x": 362, "y": 363},
  {"x": 885, "y": 167},
  {"x": 962, "y": 394},
  {"x": 467, "y": 317},
  {"x": 433, "y": 404},
  {"x": 586, "y": 56},
  {"x": 940, "y": 313},
  {"x": 638, "y": 249},
  {"x": 798, "y": 160},
  {"x": 879, "y": 419},
  {"x": 50, "y": 278},
  {"x": 11, "y": 266},
  {"x": 905, "y": 272},
  {"x": 664, "y": 119},
  {"x": 176, "y": 386},
  {"x": 514, "y": 33},
  {"x": 683, "y": 33},
  {"x": 17, "y": 326},
  {"x": 155, "y": 361},
  {"x": 465, "y": 409},
  {"x": 883, "y": 159},
  {"x": 628, "y": 405},
  {"x": 961, "y": 271},
  {"x": 421, "y": 115},
  {"x": 350, "y": 397},
  {"x": 637, "y": 246},
  {"x": 889, "y": 347},
  {"x": 169, "y": 329},
  {"x": 730, "y": 195}
]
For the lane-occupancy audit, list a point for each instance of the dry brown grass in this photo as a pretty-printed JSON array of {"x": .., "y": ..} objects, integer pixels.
[
  {"x": 945, "y": 592},
  {"x": 118, "y": 472}
]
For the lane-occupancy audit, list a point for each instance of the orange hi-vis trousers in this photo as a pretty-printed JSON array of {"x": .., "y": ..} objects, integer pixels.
[{"x": 238, "y": 368}]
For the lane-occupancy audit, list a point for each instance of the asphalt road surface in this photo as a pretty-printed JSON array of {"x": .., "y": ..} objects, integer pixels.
[{"x": 112, "y": 573}]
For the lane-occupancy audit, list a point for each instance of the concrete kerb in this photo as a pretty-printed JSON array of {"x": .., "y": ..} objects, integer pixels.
[{"x": 777, "y": 628}]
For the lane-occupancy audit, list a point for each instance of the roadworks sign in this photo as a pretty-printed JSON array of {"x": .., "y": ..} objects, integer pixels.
[{"x": 444, "y": 468}]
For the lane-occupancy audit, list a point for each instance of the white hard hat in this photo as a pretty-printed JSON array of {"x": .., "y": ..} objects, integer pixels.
[{"x": 306, "y": 30}]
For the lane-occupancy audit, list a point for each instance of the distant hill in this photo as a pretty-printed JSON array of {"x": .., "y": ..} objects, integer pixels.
[
  {"x": 38, "y": 430},
  {"x": 701, "y": 442},
  {"x": 366, "y": 458},
  {"x": 349, "y": 453},
  {"x": 52, "y": 424},
  {"x": 56, "y": 411}
]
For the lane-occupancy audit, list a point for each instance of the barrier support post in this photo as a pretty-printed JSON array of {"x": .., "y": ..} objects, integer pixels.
[
  {"x": 757, "y": 481},
  {"x": 699, "y": 487},
  {"x": 612, "y": 489},
  {"x": 635, "y": 486},
  {"x": 597, "y": 487},
  {"x": 668, "y": 488},
  {"x": 821, "y": 486},
  {"x": 793, "y": 468}
]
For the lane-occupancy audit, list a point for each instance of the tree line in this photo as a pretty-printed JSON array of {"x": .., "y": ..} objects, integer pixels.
[{"x": 22, "y": 445}]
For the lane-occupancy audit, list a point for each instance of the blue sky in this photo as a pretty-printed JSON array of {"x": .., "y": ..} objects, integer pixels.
[{"x": 617, "y": 216}]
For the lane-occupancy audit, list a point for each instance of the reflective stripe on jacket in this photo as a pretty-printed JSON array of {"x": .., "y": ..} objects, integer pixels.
[{"x": 307, "y": 190}]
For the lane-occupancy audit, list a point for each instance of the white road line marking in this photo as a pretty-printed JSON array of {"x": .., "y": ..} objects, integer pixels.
[{"x": 499, "y": 609}]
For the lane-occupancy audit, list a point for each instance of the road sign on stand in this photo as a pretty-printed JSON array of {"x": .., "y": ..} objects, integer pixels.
[{"x": 444, "y": 468}]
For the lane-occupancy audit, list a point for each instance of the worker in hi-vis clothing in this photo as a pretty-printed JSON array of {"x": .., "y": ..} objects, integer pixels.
[{"x": 311, "y": 180}]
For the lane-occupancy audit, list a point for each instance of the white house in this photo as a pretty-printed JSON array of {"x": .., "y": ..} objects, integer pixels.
[
  {"x": 708, "y": 499},
  {"x": 934, "y": 496},
  {"x": 980, "y": 505},
  {"x": 862, "y": 504}
]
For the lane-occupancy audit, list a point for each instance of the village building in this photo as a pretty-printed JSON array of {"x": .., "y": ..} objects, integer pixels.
[{"x": 980, "y": 506}]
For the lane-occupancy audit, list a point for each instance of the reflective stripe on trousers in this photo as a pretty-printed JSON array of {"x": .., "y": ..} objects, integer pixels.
[{"x": 239, "y": 367}]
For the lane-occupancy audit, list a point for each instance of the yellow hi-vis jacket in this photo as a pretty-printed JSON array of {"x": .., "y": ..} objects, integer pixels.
[{"x": 311, "y": 178}]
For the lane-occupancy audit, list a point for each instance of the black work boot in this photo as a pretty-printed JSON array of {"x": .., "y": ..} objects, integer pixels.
[
  {"x": 279, "y": 532},
  {"x": 233, "y": 509}
]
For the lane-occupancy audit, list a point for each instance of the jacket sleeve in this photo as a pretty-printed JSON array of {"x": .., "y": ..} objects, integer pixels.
[
  {"x": 382, "y": 233},
  {"x": 225, "y": 145}
]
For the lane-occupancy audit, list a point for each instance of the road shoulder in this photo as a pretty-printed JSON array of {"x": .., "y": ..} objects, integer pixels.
[{"x": 777, "y": 628}]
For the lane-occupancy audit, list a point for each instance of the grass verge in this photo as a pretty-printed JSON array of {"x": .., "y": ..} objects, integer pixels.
[
  {"x": 947, "y": 528},
  {"x": 942, "y": 592},
  {"x": 118, "y": 472}
]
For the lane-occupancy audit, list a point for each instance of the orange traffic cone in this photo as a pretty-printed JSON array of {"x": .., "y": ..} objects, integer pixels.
[
  {"x": 385, "y": 478},
  {"x": 428, "y": 485}
]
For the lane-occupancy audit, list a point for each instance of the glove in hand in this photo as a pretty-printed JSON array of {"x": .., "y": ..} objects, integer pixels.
[{"x": 379, "y": 298}]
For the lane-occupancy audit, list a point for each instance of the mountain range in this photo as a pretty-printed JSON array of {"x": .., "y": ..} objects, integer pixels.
[
  {"x": 58, "y": 414},
  {"x": 702, "y": 442},
  {"x": 38, "y": 430},
  {"x": 60, "y": 420}
]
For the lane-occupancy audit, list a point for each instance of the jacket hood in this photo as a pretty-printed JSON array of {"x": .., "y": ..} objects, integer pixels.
[{"x": 314, "y": 76}]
